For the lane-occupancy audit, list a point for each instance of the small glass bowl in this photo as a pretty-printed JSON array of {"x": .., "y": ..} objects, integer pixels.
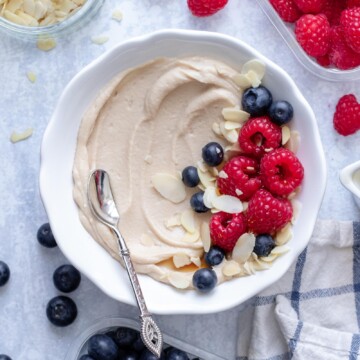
[
  {"x": 73, "y": 22},
  {"x": 78, "y": 347},
  {"x": 287, "y": 33}
]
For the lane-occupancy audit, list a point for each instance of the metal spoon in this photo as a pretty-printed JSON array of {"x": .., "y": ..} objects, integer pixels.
[{"x": 103, "y": 206}]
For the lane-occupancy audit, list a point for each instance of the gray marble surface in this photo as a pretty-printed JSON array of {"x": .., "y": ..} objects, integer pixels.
[{"x": 25, "y": 333}]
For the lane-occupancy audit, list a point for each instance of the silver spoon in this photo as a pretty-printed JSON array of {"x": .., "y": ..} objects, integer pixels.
[{"x": 103, "y": 206}]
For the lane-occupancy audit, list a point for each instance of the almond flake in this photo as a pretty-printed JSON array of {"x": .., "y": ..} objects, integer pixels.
[
  {"x": 248, "y": 268},
  {"x": 202, "y": 166},
  {"x": 233, "y": 148},
  {"x": 188, "y": 220},
  {"x": 294, "y": 142},
  {"x": 284, "y": 235},
  {"x": 201, "y": 187},
  {"x": 31, "y": 76},
  {"x": 223, "y": 174},
  {"x": 228, "y": 203},
  {"x": 214, "y": 171},
  {"x": 253, "y": 79},
  {"x": 296, "y": 205},
  {"x": 256, "y": 66},
  {"x": 205, "y": 236},
  {"x": 230, "y": 135},
  {"x": 261, "y": 265},
  {"x": 46, "y": 44},
  {"x": 235, "y": 114},
  {"x": 170, "y": 187},
  {"x": 117, "y": 15},
  {"x": 209, "y": 195},
  {"x": 206, "y": 178},
  {"x": 196, "y": 261},
  {"x": 147, "y": 240},
  {"x": 242, "y": 81},
  {"x": 216, "y": 128},
  {"x": 245, "y": 205},
  {"x": 16, "y": 137},
  {"x": 270, "y": 258},
  {"x": 250, "y": 168},
  {"x": 99, "y": 40},
  {"x": 238, "y": 193},
  {"x": 148, "y": 159},
  {"x": 178, "y": 280},
  {"x": 215, "y": 211},
  {"x": 231, "y": 268},
  {"x": 285, "y": 134},
  {"x": 279, "y": 250},
  {"x": 173, "y": 221},
  {"x": 231, "y": 125},
  {"x": 191, "y": 237},
  {"x": 181, "y": 260},
  {"x": 268, "y": 150},
  {"x": 243, "y": 248}
]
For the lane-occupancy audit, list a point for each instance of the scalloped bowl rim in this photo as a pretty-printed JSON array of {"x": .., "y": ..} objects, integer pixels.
[{"x": 57, "y": 154}]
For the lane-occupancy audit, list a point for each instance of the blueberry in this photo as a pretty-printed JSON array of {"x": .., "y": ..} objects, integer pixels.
[
  {"x": 190, "y": 176},
  {"x": 45, "y": 236},
  {"x": 4, "y": 357},
  {"x": 214, "y": 256},
  {"x": 175, "y": 354},
  {"x": 281, "y": 112},
  {"x": 204, "y": 280},
  {"x": 148, "y": 355},
  {"x": 138, "y": 344},
  {"x": 66, "y": 278},
  {"x": 213, "y": 154},
  {"x": 4, "y": 273},
  {"x": 256, "y": 101},
  {"x": 86, "y": 357},
  {"x": 264, "y": 243},
  {"x": 103, "y": 347},
  {"x": 128, "y": 355},
  {"x": 197, "y": 202},
  {"x": 61, "y": 311},
  {"x": 125, "y": 337}
]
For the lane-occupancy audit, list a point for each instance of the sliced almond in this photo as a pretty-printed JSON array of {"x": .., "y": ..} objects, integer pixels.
[
  {"x": 231, "y": 268},
  {"x": 100, "y": 40},
  {"x": 191, "y": 237},
  {"x": 179, "y": 280},
  {"x": 206, "y": 178},
  {"x": 223, "y": 174},
  {"x": 285, "y": 134},
  {"x": 253, "y": 78},
  {"x": 294, "y": 141},
  {"x": 205, "y": 236},
  {"x": 209, "y": 195},
  {"x": 214, "y": 171},
  {"x": 284, "y": 235},
  {"x": 46, "y": 44},
  {"x": 270, "y": 258},
  {"x": 228, "y": 203},
  {"x": 296, "y": 205},
  {"x": 117, "y": 15},
  {"x": 232, "y": 136},
  {"x": 260, "y": 265},
  {"x": 249, "y": 268},
  {"x": 279, "y": 250},
  {"x": 255, "y": 65},
  {"x": 242, "y": 81},
  {"x": 31, "y": 76},
  {"x": 238, "y": 193},
  {"x": 234, "y": 114},
  {"x": 216, "y": 128},
  {"x": 188, "y": 220},
  {"x": 196, "y": 261},
  {"x": 245, "y": 205},
  {"x": 215, "y": 211},
  {"x": 202, "y": 166},
  {"x": 268, "y": 150},
  {"x": 170, "y": 187},
  {"x": 148, "y": 159},
  {"x": 231, "y": 125},
  {"x": 147, "y": 240},
  {"x": 243, "y": 248},
  {"x": 181, "y": 260},
  {"x": 16, "y": 137},
  {"x": 233, "y": 148},
  {"x": 175, "y": 220}
]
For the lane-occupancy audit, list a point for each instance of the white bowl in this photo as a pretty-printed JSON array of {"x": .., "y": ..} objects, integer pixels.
[
  {"x": 350, "y": 178},
  {"x": 57, "y": 155}
]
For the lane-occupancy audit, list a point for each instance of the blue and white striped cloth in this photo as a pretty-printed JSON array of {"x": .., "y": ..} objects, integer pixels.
[{"x": 313, "y": 312}]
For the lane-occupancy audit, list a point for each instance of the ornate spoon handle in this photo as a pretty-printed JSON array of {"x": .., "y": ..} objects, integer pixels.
[{"x": 150, "y": 332}]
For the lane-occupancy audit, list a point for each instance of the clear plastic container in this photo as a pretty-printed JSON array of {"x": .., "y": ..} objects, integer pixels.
[
  {"x": 73, "y": 22},
  {"x": 78, "y": 347},
  {"x": 286, "y": 31}
]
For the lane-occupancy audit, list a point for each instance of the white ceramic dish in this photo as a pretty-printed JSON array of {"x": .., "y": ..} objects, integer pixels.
[
  {"x": 58, "y": 149},
  {"x": 350, "y": 178}
]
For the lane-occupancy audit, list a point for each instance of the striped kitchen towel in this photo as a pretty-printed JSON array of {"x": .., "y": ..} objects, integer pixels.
[{"x": 313, "y": 312}]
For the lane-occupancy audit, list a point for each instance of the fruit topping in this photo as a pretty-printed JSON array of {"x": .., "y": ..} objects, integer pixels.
[
  {"x": 204, "y": 280},
  {"x": 197, "y": 202},
  {"x": 347, "y": 115},
  {"x": 256, "y": 101},
  {"x": 190, "y": 176},
  {"x": 281, "y": 112},
  {"x": 203, "y": 8},
  {"x": 264, "y": 243},
  {"x": 214, "y": 256},
  {"x": 213, "y": 154}
]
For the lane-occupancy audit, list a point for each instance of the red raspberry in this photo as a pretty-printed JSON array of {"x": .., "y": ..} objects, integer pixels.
[
  {"x": 350, "y": 23},
  {"x": 242, "y": 175},
  {"x": 286, "y": 9},
  {"x": 281, "y": 172},
  {"x": 332, "y": 10},
  {"x": 203, "y": 8},
  {"x": 347, "y": 115},
  {"x": 225, "y": 229},
  {"x": 313, "y": 34},
  {"x": 310, "y": 6},
  {"x": 323, "y": 60},
  {"x": 267, "y": 214},
  {"x": 352, "y": 3},
  {"x": 341, "y": 55},
  {"x": 259, "y": 134}
]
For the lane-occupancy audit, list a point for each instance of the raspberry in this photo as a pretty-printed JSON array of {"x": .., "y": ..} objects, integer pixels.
[
  {"x": 347, "y": 115},
  {"x": 281, "y": 172},
  {"x": 350, "y": 23},
  {"x": 313, "y": 34},
  {"x": 241, "y": 178},
  {"x": 203, "y": 8},
  {"x": 323, "y": 60},
  {"x": 332, "y": 10},
  {"x": 225, "y": 229},
  {"x": 352, "y": 3},
  {"x": 267, "y": 214},
  {"x": 310, "y": 6},
  {"x": 286, "y": 9},
  {"x": 341, "y": 55},
  {"x": 259, "y": 134}
]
